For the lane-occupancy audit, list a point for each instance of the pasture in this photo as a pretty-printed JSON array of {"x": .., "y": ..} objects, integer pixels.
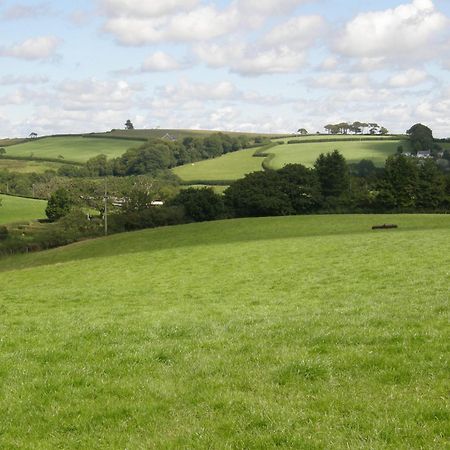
[
  {"x": 353, "y": 152},
  {"x": 179, "y": 134},
  {"x": 300, "y": 332},
  {"x": 19, "y": 209},
  {"x": 71, "y": 148},
  {"x": 25, "y": 166},
  {"x": 231, "y": 166}
]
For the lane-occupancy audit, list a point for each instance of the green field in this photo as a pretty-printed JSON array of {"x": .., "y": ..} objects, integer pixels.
[
  {"x": 18, "y": 209},
  {"x": 72, "y": 148},
  {"x": 306, "y": 154},
  {"x": 24, "y": 166},
  {"x": 179, "y": 134},
  {"x": 231, "y": 166},
  {"x": 309, "y": 332},
  {"x": 340, "y": 137}
]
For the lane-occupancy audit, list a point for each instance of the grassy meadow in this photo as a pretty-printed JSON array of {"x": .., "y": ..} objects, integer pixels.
[
  {"x": 353, "y": 152},
  {"x": 24, "y": 166},
  {"x": 18, "y": 209},
  {"x": 303, "y": 332},
  {"x": 179, "y": 134},
  {"x": 231, "y": 166},
  {"x": 71, "y": 148}
]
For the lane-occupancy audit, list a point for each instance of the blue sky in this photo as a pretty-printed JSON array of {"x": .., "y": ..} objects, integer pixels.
[{"x": 243, "y": 65}]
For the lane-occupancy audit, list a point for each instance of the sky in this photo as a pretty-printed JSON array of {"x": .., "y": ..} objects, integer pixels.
[{"x": 237, "y": 65}]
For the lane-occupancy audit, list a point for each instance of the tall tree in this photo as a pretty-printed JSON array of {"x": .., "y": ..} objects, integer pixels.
[
  {"x": 421, "y": 137},
  {"x": 333, "y": 174},
  {"x": 129, "y": 125},
  {"x": 431, "y": 186},
  {"x": 59, "y": 204},
  {"x": 401, "y": 174}
]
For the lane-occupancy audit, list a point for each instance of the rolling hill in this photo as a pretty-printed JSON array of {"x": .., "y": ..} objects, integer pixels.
[
  {"x": 292, "y": 332},
  {"x": 71, "y": 148},
  {"x": 235, "y": 165}
]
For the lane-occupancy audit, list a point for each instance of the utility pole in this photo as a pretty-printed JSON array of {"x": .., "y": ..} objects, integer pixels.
[{"x": 105, "y": 217}]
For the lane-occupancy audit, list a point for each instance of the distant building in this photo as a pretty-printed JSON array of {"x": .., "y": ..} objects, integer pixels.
[
  {"x": 169, "y": 137},
  {"x": 424, "y": 154}
]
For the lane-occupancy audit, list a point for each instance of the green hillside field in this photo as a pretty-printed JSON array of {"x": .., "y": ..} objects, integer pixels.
[
  {"x": 179, "y": 134},
  {"x": 19, "y": 209},
  {"x": 25, "y": 166},
  {"x": 353, "y": 152},
  {"x": 305, "y": 332},
  {"x": 231, "y": 166},
  {"x": 71, "y": 148}
]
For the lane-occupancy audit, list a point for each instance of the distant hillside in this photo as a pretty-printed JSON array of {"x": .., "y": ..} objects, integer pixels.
[
  {"x": 178, "y": 134},
  {"x": 303, "y": 150}
]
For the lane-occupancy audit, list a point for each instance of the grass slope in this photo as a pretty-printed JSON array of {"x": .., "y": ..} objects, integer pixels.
[
  {"x": 24, "y": 166},
  {"x": 177, "y": 133},
  {"x": 72, "y": 148},
  {"x": 18, "y": 209},
  {"x": 296, "y": 332},
  {"x": 306, "y": 154},
  {"x": 231, "y": 166},
  {"x": 235, "y": 165}
]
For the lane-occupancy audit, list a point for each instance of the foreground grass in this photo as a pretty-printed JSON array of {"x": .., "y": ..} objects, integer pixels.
[
  {"x": 18, "y": 209},
  {"x": 231, "y": 166},
  {"x": 72, "y": 148},
  {"x": 296, "y": 332}
]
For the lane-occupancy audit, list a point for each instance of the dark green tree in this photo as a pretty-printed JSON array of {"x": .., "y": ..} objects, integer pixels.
[
  {"x": 431, "y": 187},
  {"x": 401, "y": 175},
  {"x": 129, "y": 125},
  {"x": 333, "y": 174},
  {"x": 59, "y": 204},
  {"x": 259, "y": 194},
  {"x": 421, "y": 137},
  {"x": 200, "y": 204},
  {"x": 303, "y": 187}
]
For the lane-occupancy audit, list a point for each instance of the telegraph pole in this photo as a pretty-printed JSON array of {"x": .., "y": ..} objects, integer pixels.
[{"x": 105, "y": 216}]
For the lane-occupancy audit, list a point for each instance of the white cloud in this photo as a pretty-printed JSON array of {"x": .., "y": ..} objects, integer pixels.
[
  {"x": 341, "y": 80},
  {"x": 143, "y": 8},
  {"x": 268, "y": 7},
  {"x": 160, "y": 62},
  {"x": 251, "y": 61},
  {"x": 27, "y": 11},
  {"x": 93, "y": 94},
  {"x": 299, "y": 32},
  {"x": 402, "y": 32},
  {"x": 408, "y": 78},
  {"x": 7, "y": 80},
  {"x": 199, "y": 24},
  {"x": 42, "y": 47}
]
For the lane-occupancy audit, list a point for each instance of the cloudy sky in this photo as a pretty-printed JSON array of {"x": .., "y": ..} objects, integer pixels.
[{"x": 243, "y": 65}]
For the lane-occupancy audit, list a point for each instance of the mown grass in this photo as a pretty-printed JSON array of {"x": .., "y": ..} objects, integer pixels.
[
  {"x": 231, "y": 166},
  {"x": 71, "y": 148},
  {"x": 18, "y": 209},
  {"x": 23, "y": 166},
  {"x": 295, "y": 332},
  {"x": 307, "y": 154}
]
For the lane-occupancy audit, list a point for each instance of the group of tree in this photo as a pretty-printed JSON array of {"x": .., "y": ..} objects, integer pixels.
[
  {"x": 331, "y": 186},
  {"x": 356, "y": 128},
  {"x": 158, "y": 155}
]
